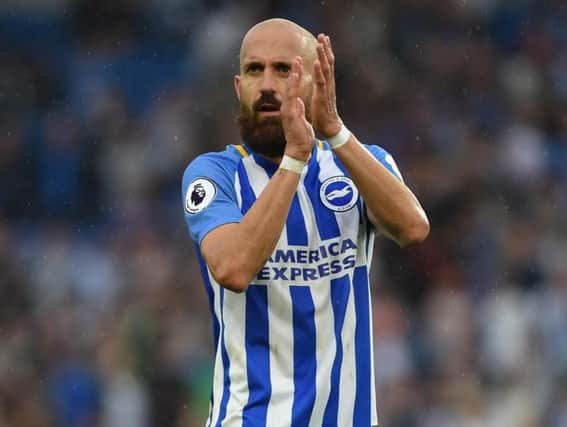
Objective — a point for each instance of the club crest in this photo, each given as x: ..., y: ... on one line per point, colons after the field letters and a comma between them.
x: 338, y: 193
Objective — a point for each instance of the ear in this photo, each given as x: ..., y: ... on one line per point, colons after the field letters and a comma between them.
x: 237, y: 86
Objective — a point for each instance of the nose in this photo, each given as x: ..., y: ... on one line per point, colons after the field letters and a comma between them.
x: 268, y: 83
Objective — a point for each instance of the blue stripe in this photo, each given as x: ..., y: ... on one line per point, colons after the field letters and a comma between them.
x: 257, y: 356
x: 246, y: 192
x: 362, y: 404
x: 295, y: 224
x: 324, y: 217
x: 340, y: 289
x: 304, y: 355
x: 226, y: 366
x: 216, y: 327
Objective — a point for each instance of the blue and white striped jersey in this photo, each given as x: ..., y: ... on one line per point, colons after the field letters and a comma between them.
x: 295, y: 349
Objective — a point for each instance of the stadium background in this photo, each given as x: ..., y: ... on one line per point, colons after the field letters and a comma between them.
x: 103, y: 318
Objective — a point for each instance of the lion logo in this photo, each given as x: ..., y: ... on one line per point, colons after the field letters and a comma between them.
x: 198, y: 194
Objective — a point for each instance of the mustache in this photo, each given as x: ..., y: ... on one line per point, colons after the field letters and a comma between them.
x: 266, y: 98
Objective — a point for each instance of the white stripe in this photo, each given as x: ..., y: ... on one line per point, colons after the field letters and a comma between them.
x: 325, y: 348
x: 234, y: 312
x: 219, y: 369
x: 237, y: 189
x: 327, y: 166
x: 347, y: 380
x: 210, y: 414
x: 281, y: 356
x: 348, y: 225
x: 308, y: 213
x: 370, y: 246
x: 257, y: 176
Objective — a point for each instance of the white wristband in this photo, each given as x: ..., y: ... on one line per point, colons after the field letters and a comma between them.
x: 291, y: 164
x: 340, y: 138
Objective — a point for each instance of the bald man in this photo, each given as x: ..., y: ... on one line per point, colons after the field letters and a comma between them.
x: 284, y: 225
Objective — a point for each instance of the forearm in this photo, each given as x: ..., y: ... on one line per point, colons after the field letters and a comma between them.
x: 391, y: 204
x: 236, y: 252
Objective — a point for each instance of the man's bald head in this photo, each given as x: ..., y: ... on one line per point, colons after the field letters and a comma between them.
x: 278, y: 27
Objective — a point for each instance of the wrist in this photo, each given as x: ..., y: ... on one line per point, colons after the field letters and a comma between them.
x: 297, y: 154
x: 340, y: 138
x: 292, y: 164
x: 333, y: 129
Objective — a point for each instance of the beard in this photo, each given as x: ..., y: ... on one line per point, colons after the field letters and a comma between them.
x: 264, y: 135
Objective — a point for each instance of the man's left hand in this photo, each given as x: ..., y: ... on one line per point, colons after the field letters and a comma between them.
x: 324, y: 115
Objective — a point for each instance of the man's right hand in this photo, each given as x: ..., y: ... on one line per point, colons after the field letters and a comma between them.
x: 298, y: 131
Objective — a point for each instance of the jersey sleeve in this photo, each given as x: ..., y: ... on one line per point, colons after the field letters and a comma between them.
x: 209, y: 198
x: 385, y: 159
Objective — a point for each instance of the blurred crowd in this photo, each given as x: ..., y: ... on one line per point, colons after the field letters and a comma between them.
x: 103, y: 317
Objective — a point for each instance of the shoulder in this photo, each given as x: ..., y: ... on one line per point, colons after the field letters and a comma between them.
x: 210, y: 176
x: 226, y: 160
x: 385, y: 158
x: 214, y: 169
x: 218, y: 166
x: 378, y: 152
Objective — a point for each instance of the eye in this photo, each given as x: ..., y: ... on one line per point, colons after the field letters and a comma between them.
x: 283, y: 68
x: 254, y: 67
